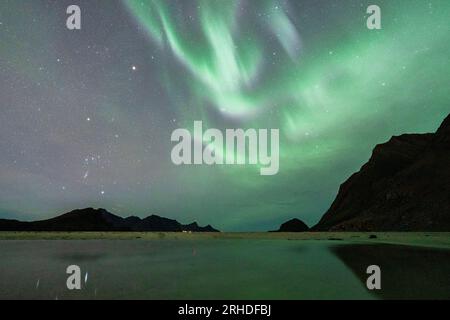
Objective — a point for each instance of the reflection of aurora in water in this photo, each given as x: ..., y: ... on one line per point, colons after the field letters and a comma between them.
x: 86, y: 117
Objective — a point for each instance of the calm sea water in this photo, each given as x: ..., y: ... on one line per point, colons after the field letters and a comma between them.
x: 219, y: 269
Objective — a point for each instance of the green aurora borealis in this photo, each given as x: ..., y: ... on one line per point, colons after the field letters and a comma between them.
x: 310, y: 68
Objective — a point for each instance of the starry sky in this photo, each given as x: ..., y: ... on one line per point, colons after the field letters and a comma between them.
x: 86, y: 116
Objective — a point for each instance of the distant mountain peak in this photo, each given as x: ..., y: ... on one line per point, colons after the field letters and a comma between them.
x: 293, y: 225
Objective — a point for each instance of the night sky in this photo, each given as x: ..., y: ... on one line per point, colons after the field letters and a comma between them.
x: 86, y: 116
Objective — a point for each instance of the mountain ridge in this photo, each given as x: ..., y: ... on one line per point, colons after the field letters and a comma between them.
x: 90, y: 219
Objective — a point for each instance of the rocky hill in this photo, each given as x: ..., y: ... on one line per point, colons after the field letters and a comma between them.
x: 405, y: 186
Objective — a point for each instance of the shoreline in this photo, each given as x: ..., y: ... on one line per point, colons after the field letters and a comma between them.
x: 422, y: 239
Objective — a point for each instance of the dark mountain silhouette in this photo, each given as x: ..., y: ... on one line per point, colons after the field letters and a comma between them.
x: 90, y: 219
x: 194, y: 227
x: 405, y: 186
x: 294, y: 225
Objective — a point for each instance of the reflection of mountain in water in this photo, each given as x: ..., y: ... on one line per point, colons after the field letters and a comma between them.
x: 406, y: 272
